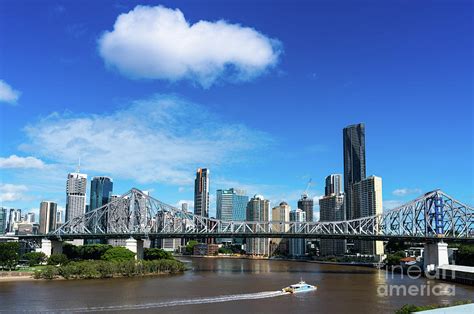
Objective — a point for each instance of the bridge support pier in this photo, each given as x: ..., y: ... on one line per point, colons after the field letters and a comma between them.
x: 435, y: 255
x: 49, y: 247
x: 136, y: 246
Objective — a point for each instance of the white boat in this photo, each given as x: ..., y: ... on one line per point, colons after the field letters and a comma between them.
x: 299, y: 287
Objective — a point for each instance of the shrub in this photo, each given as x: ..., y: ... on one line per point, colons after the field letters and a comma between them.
x: 57, y: 259
x: 118, y: 254
x: 35, y: 258
x: 154, y: 254
x: 190, y: 246
x: 48, y: 272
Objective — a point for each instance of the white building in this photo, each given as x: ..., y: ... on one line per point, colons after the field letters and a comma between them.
x: 368, y: 202
x: 75, y: 195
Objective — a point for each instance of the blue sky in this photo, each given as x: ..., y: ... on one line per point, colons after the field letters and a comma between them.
x: 257, y: 91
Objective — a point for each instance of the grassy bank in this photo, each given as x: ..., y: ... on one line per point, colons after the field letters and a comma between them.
x: 410, y: 308
x: 94, y: 269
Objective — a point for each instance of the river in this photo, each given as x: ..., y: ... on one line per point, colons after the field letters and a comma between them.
x: 231, y: 286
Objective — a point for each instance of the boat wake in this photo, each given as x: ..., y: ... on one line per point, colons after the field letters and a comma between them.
x: 216, y: 299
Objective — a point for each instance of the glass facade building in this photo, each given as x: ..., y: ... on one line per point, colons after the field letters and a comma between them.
x: 101, y: 191
x: 354, y: 163
x: 201, y: 192
x: 231, y: 204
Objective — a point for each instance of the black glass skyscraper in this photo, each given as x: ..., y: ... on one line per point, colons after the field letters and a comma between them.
x: 354, y: 163
x: 101, y: 191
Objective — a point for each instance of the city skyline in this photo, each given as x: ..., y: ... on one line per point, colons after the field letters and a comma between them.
x: 44, y: 133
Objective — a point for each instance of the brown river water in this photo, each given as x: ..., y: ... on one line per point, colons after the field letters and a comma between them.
x: 234, y: 286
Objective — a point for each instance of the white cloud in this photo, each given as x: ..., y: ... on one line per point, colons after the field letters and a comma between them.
x: 406, y: 191
x: 15, y: 161
x: 159, y: 43
x: 162, y: 139
x: 8, y: 94
x: 12, y: 192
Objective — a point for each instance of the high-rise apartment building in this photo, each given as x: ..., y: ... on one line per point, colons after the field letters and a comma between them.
x: 333, y: 184
x: 280, y: 213
x: 305, y: 203
x: 101, y: 191
x: 201, y: 192
x: 297, y: 247
x: 354, y: 164
x: 48, y: 217
x: 331, y: 208
x: 258, y: 209
x: 231, y: 204
x: 75, y: 195
x: 368, y: 202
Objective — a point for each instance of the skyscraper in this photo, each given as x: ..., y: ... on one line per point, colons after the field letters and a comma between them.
x: 333, y: 184
x: 101, y: 191
x: 231, y: 204
x: 297, y: 247
x: 354, y: 163
x: 306, y: 204
x: 258, y: 209
x: 368, y: 202
x: 48, y: 217
x: 30, y: 218
x: 75, y: 195
x: 3, y: 220
x: 331, y: 208
x: 201, y: 192
x: 280, y: 213
x: 14, y: 217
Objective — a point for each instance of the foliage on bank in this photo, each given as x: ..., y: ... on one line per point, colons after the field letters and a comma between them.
x: 93, y: 269
x: 9, y: 256
x: 410, y: 308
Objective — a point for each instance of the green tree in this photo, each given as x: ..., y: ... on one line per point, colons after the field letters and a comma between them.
x: 118, y: 254
x: 394, y: 259
x: 9, y: 256
x: 35, y: 258
x: 71, y: 251
x: 465, y: 255
x: 58, y: 259
x: 225, y: 250
x: 190, y: 246
x: 155, y: 254
x: 92, y: 251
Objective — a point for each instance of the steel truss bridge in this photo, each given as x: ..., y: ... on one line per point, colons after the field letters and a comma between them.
x: 429, y: 217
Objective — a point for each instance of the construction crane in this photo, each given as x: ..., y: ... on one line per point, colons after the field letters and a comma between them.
x: 310, y: 183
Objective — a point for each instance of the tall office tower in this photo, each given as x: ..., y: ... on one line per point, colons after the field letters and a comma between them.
x: 281, y: 213
x: 184, y: 207
x: 59, y: 217
x: 3, y: 220
x: 30, y: 218
x: 231, y: 204
x: 297, y: 247
x: 101, y: 191
x: 258, y: 209
x: 333, y: 184
x: 354, y: 164
x: 331, y: 208
x: 75, y: 195
x: 368, y: 202
x: 48, y: 216
x: 201, y: 192
x: 14, y: 218
x: 306, y: 204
